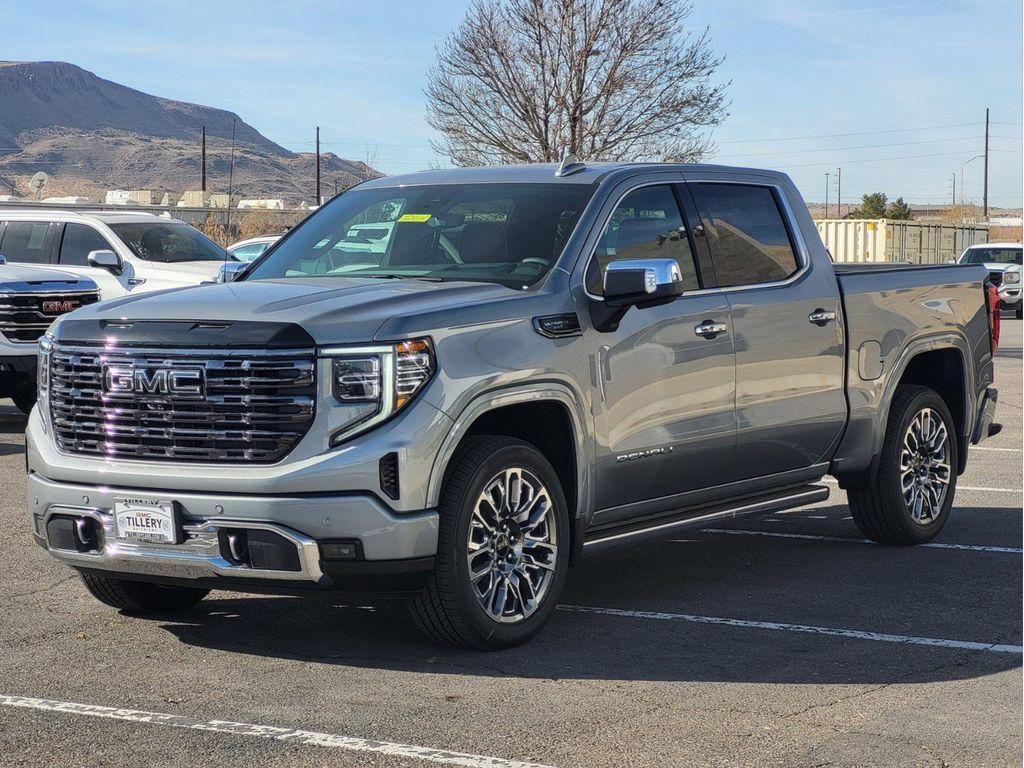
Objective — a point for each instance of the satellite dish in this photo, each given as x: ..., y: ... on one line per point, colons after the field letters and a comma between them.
x: 37, y: 183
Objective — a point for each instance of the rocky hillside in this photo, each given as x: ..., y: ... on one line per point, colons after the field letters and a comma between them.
x: 91, y: 134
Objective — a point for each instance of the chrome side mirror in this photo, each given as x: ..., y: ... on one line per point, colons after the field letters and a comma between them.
x: 107, y: 260
x: 642, y: 282
x: 635, y: 283
x: 231, y: 270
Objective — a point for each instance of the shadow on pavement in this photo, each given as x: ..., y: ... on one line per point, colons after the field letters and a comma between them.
x: 840, y: 585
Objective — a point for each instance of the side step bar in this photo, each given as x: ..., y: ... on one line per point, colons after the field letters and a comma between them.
x: 700, y: 518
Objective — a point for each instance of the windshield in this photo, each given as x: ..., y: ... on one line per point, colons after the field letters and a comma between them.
x: 168, y: 242
x: 502, y: 233
x: 992, y: 256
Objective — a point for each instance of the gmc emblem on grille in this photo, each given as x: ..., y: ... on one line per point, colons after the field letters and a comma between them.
x: 58, y: 307
x: 173, y: 382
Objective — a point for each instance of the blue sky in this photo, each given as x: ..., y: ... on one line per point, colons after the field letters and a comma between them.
x: 894, y: 93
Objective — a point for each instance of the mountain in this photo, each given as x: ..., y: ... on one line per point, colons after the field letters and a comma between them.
x: 91, y: 134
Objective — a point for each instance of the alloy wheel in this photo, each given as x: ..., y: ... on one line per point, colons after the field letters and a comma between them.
x: 512, y: 545
x: 924, y: 466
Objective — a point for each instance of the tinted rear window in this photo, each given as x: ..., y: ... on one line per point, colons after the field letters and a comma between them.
x: 747, y: 235
x: 25, y: 241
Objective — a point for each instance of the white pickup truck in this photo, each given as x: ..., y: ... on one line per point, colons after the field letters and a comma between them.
x: 57, y: 260
x: 129, y: 252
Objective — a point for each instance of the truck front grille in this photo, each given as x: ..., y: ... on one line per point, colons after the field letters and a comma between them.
x: 181, y: 405
x: 24, y: 317
x: 996, y: 278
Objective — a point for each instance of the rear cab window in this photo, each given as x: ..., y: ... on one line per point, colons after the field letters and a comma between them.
x: 747, y: 233
x: 26, y: 242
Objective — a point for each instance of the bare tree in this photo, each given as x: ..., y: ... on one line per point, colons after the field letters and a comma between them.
x: 528, y: 80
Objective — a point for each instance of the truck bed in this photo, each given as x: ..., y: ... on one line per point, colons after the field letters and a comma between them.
x: 889, y: 307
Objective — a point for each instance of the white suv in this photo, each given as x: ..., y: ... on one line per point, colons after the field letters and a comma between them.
x: 130, y: 252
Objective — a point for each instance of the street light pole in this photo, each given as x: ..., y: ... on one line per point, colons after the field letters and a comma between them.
x: 985, y: 211
x: 962, y: 166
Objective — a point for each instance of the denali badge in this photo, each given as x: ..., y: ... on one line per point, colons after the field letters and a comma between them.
x: 174, y: 382
x: 58, y: 307
x: 643, y: 454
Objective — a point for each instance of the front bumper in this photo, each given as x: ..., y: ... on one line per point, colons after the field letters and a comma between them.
x: 388, y: 552
x: 1009, y: 296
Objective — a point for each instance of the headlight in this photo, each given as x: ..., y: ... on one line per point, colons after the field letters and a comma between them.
x: 1011, y: 277
x: 371, y: 384
x: 43, y: 379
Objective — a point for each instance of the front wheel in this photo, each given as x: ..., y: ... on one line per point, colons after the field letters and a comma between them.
x: 503, y: 547
x: 912, y: 493
x: 25, y: 399
x: 1019, y: 311
x: 140, y: 596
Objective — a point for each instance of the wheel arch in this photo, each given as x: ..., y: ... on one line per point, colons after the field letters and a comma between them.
x: 550, y: 416
x: 941, y: 362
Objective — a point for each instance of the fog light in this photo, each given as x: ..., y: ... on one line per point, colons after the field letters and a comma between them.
x: 339, y: 550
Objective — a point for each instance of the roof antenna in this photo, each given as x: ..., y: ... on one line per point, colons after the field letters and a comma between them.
x: 569, y: 166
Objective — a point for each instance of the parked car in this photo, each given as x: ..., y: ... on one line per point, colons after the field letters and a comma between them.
x: 250, y: 249
x: 1003, y: 262
x: 30, y: 300
x: 129, y: 252
x: 542, y: 361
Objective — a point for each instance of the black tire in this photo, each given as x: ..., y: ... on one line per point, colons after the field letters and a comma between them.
x: 880, y: 511
x: 141, y: 596
x: 25, y: 399
x: 448, y: 609
x: 1019, y: 311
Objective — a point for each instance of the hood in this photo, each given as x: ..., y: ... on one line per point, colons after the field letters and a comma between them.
x: 185, y: 271
x: 25, y: 277
x: 331, y: 310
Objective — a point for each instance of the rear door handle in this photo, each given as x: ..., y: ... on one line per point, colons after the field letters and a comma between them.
x: 821, y: 316
x: 709, y: 329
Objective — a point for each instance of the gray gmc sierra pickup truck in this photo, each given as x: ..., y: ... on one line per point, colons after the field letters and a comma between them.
x: 445, y: 386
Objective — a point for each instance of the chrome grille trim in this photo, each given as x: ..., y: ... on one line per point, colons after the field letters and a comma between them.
x: 22, y: 319
x: 256, y: 408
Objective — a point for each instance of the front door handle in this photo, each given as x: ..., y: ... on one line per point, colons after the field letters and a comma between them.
x: 821, y: 317
x: 709, y: 329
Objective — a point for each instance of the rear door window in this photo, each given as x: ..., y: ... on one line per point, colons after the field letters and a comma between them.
x: 26, y: 241
x: 79, y: 241
x: 746, y: 233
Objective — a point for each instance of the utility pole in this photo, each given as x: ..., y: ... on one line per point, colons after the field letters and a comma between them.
x: 839, y: 193
x: 954, y: 189
x: 827, y: 175
x: 231, y: 182
x: 319, y: 200
x: 202, y: 167
x: 985, y: 212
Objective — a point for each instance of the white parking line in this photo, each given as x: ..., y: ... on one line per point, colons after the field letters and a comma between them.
x: 778, y: 626
x: 850, y: 540
x: 833, y: 481
x: 1001, y: 450
x: 289, y: 735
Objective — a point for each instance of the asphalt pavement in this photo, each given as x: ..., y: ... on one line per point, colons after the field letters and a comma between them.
x: 785, y: 641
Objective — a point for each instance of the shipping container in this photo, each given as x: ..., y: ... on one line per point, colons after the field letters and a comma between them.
x: 917, y: 242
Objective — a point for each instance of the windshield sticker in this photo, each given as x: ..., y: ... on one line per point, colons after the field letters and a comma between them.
x: 415, y: 217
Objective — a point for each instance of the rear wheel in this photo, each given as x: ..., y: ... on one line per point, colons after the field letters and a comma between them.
x: 141, y: 596
x: 503, y: 546
x: 912, y: 493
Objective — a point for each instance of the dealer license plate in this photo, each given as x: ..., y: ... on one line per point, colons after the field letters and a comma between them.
x: 146, y: 520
